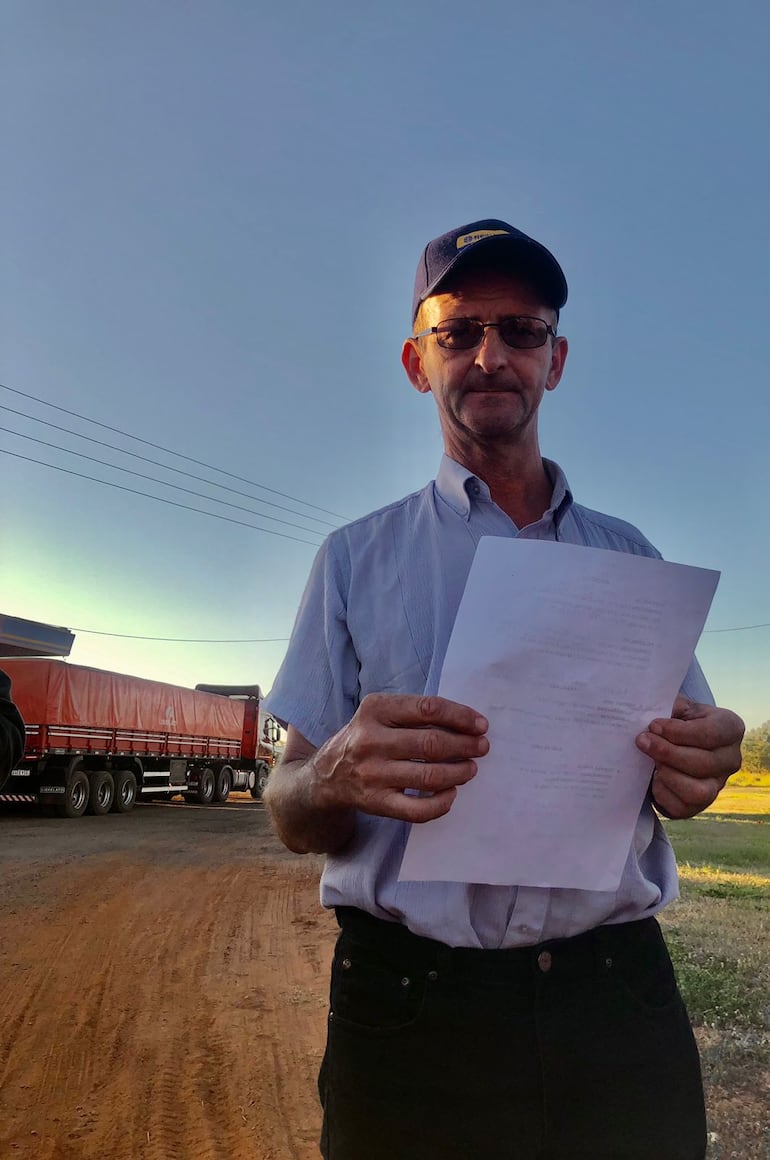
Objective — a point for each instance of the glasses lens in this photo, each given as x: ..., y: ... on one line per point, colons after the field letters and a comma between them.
x: 459, y: 333
x: 523, y: 333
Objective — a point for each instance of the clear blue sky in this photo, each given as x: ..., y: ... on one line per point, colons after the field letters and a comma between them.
x: 210, y: 217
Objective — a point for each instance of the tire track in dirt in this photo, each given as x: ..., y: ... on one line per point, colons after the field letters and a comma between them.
x: 164, y: 1009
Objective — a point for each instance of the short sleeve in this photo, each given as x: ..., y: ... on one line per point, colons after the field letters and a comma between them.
x: 317, y: 687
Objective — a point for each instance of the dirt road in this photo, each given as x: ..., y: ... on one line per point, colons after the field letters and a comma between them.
x: 163, y: 982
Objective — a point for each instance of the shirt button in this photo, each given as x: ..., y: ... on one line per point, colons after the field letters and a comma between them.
x: 544, y: 961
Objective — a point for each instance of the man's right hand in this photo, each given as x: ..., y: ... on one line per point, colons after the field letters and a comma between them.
x: 396, y: 742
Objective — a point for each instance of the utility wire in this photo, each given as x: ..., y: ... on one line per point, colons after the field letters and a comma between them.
x: 272, y: 639
x: 162, y: 482
x: 170, y: 451
x: 160, y: 499
x: 166, y: 467
x: 738, y: 628
x: 183, y: 639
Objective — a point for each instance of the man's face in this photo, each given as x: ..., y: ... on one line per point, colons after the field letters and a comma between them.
x: 488, y: 396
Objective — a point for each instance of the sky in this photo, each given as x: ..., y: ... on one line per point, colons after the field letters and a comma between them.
x: 210, y: 218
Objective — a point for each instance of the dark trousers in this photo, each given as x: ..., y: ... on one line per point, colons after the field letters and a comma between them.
x: 577, y: 1049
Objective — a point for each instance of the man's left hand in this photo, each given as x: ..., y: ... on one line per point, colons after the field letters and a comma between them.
x: 695, y: 750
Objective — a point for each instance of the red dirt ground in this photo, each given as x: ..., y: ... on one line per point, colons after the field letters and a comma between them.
x: 163, y: 979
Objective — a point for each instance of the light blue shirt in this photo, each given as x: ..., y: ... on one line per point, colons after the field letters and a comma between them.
x: 376, y: 616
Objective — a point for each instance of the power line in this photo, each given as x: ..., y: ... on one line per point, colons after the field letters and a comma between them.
x: 738, y: 628
x: 165, y: 466
x: 274, y: 639
x: 162, y: 482
x: 160, y: 499
x: 183, y: 639
x: 170, y: 451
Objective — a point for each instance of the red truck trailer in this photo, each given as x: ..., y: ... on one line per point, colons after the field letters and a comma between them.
x: 97, y: 741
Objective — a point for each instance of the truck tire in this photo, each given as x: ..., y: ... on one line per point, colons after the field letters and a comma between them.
x: 224, y: 783
x: 260, y: 784
x: 75, y: 796
x: 125, y: 792
x: 102, y: 793
x: 206, y: 786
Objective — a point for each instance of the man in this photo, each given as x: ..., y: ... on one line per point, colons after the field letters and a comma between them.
x: 477, y: 1022
x: 11, y: 731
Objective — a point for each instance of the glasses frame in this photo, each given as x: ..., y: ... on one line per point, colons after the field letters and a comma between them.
x: 485, y: 326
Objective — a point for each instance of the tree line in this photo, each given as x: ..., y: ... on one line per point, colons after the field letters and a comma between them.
x: 756, y: 750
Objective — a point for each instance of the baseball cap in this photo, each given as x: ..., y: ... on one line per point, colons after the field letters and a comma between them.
x: 493, y: 238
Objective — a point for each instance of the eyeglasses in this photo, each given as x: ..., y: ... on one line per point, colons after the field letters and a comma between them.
x: 517, y: 330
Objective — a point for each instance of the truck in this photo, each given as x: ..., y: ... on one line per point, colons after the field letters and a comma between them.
x: 99, y: 741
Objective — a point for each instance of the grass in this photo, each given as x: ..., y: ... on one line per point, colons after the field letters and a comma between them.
x: 744, y: 777
x: 719, y: 937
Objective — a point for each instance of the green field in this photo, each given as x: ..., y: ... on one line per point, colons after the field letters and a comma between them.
x: 719, y: 936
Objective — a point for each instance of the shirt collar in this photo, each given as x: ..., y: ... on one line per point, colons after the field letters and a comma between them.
x: 458, y: 487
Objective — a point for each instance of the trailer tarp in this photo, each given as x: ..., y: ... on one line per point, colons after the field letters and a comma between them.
x: 53, y: 692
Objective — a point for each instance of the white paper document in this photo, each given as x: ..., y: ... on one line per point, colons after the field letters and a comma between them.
x: 569, y: 652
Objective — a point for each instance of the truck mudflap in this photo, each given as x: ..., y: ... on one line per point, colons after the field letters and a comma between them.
x: 20, y: 787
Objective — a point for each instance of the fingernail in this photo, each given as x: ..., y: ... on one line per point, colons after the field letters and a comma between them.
x: 644, y: 742
x: 482, y: 724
